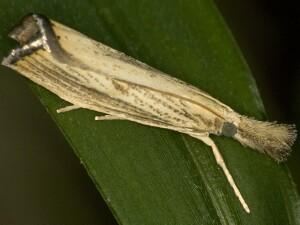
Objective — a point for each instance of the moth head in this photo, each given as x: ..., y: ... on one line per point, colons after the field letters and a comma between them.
x: 271, y: 138
x: 228, y: 129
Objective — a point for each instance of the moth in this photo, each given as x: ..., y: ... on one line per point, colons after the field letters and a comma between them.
x: 91, y: 75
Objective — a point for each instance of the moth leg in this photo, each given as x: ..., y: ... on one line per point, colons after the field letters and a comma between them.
x: 109, y: 117
x: 220, y: 161
x: 141, y: 120
x: 67, y: 108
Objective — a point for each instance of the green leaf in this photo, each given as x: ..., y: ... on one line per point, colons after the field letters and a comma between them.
x: 154, y: 176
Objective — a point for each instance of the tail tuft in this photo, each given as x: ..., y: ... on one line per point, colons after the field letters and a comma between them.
x: 269, y: 137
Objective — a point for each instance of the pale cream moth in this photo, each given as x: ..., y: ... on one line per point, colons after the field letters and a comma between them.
x: 93, y: 76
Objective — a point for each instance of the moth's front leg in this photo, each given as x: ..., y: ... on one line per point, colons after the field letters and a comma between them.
x: 220, y: 161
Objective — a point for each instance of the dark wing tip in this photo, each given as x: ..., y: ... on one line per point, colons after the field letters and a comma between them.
x: 33, y: 32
